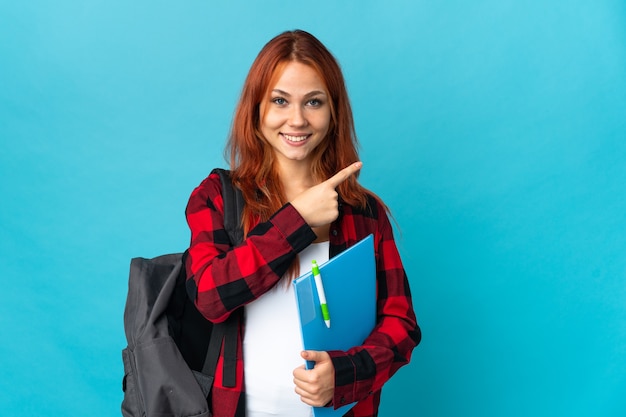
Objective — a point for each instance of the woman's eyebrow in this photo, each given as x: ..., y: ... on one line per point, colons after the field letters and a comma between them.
x: 309, y: 94
x: 315, y: 93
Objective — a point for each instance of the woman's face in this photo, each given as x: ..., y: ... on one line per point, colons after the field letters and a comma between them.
x: 296, y: 114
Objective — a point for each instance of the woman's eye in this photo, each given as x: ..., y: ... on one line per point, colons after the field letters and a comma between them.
x: 315, y: 102
x: 279, y: 100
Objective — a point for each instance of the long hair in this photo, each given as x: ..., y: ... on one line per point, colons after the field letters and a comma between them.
x: 252, y: 158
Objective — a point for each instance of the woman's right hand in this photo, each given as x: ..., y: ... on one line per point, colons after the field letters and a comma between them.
x: 318, y: 205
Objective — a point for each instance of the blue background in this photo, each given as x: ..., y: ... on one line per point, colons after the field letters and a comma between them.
x: 494, y: 129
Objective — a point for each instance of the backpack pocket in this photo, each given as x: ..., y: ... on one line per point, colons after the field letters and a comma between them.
x: 131, y: 404
x: 163, y: 383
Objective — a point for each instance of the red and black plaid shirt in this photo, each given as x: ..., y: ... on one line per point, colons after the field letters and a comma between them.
x: 227, y: 278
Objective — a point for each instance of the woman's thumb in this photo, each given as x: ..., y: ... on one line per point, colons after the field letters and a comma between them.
x: 309, y: 355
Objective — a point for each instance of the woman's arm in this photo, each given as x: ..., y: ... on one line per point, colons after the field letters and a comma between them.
x: 221, y: 278
x: 362, y: 370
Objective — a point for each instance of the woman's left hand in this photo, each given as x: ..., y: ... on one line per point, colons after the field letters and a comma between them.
x: 316, y: 386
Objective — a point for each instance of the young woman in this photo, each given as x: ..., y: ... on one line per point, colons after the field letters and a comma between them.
x: 293, y: 153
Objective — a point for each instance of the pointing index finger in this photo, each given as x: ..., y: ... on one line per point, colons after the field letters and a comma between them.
x: 344, y: 174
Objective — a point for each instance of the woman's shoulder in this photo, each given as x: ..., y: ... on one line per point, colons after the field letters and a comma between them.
x: 208, y: 192
x: 374, y: 205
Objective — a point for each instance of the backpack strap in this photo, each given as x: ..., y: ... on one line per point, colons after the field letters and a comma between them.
x: 233, y: 207
x: 226, y: 332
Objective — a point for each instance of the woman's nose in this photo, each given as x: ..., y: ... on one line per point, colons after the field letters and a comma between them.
x: 296, y: 117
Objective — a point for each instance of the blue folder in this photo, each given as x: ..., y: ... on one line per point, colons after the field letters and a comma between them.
x: 349, y: 281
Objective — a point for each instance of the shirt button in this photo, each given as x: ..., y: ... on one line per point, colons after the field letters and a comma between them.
x: 342, y: 400
x: 334, y: 232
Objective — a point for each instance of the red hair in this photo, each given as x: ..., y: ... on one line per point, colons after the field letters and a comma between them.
x: 252, y: 158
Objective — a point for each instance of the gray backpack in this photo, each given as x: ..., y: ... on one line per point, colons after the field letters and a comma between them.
x: 172, y: 352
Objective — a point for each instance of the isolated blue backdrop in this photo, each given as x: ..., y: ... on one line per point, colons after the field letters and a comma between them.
x: 494, y: 129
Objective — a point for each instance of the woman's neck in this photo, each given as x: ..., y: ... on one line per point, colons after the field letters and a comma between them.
x: 295, y: 178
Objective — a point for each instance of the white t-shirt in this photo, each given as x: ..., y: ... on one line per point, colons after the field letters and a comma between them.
x: 272, y: 346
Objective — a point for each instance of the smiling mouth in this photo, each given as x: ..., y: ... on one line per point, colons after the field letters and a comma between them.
x: 295, y: 139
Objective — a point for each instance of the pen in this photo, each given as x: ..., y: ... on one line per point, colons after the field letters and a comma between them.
x: 321, y: 294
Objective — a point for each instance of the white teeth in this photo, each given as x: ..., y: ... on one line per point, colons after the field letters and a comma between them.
x: 295, y: 138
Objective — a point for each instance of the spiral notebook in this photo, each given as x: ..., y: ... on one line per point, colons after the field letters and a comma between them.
x: 349, y: 281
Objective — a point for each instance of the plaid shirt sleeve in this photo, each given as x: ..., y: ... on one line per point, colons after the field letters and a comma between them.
x: 361, y: 371
x: 221, y: 278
